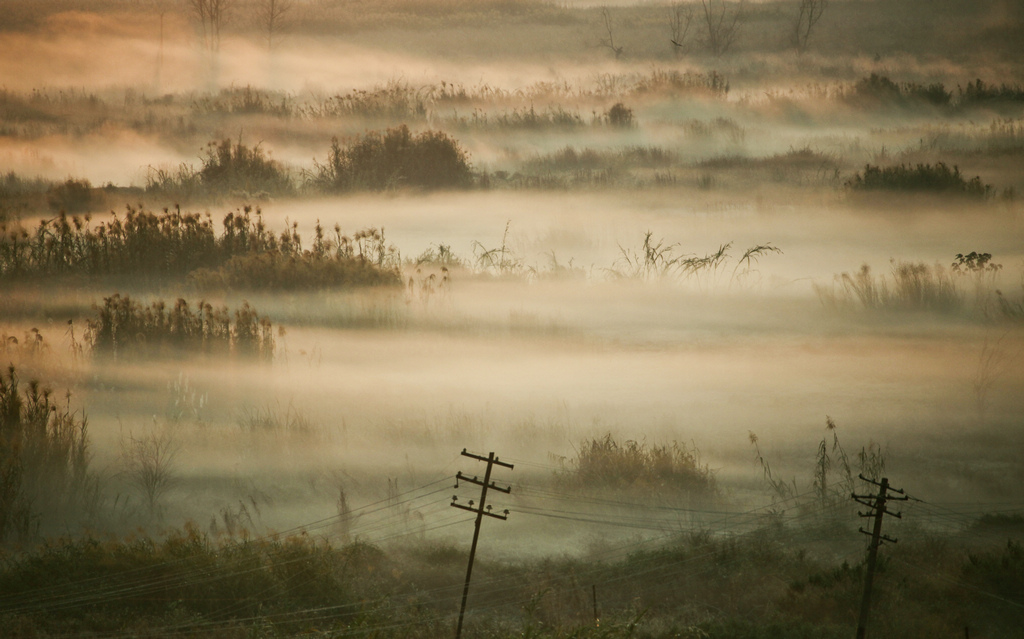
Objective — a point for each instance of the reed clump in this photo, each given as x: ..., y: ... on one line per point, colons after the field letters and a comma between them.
x: 605, y: 463
x: 928, y: 178
x: 125, y: 329
x: 44, y: 460
x: 175, y: 245
x: 341, y: 261
x: 910, y: 286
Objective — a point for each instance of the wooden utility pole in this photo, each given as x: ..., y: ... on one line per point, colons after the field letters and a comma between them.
x: 481, y: 509
x: 877, y: 511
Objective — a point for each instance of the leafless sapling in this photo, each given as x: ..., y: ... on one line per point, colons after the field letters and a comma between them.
x: 610, y: 40
x: 679, y: 21
x: 210, y: 16
x: 810, y: 12
x: 271, y: 17
x: 723, y: 24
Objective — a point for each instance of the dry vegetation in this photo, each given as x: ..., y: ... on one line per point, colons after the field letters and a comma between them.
x: 625, y: 221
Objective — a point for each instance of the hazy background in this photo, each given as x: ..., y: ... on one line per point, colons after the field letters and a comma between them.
x: 372, y: 387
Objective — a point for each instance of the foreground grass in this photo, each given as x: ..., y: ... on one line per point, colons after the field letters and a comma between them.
x: 763, y: 584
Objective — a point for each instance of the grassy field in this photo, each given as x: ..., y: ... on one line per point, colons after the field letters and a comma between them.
x: 261, y: 284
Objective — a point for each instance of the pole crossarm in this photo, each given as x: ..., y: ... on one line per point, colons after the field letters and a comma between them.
x: 478, y: 511
x: 485, y: 459
x: 473, y: 480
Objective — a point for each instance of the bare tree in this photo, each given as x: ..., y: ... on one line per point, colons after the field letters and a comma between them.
x: 210, y: 15
x: 810, y: 13
x: 148, y: 466
x: 610, y: 40
x: 723, y: 24
x: 271, y: 17
x: 679, y: 21
x: 160, y: 8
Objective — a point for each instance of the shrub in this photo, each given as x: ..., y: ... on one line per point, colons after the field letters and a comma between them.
x: 938, y: 178
x: 124, y: 329
x: 620, y: 116
x: 44, y: 460
x: 72, y: 196
x: 226, y: 169
x: 380, y: 161
x: 236, y: 168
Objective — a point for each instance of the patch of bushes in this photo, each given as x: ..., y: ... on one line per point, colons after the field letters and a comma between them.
x: 44, y: 461
x: 391, y: 159
x: 937, y: 178
x: 125, y: 329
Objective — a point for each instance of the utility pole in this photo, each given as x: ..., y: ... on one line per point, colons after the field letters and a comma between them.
x: 877, y: 510
x: 480, y: 510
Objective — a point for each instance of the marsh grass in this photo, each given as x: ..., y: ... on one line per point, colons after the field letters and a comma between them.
x: 570, y: 158
x: 124, y: 329
x: 364, y: 259
x: 193, y: 581
x: 769, y: 582
x: 518, y: 118
x: 981, y: 94
x: 20, y: 194
x: 246, y: 100
x: 501, y: 261
x: 173, y: 246
x: 45, y: 477
x: 879, y: 91
x: 603, y: 463
x: 928, y: 178
x: 275, y: 420
x: 966, y: 288
x: 658, y: 260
